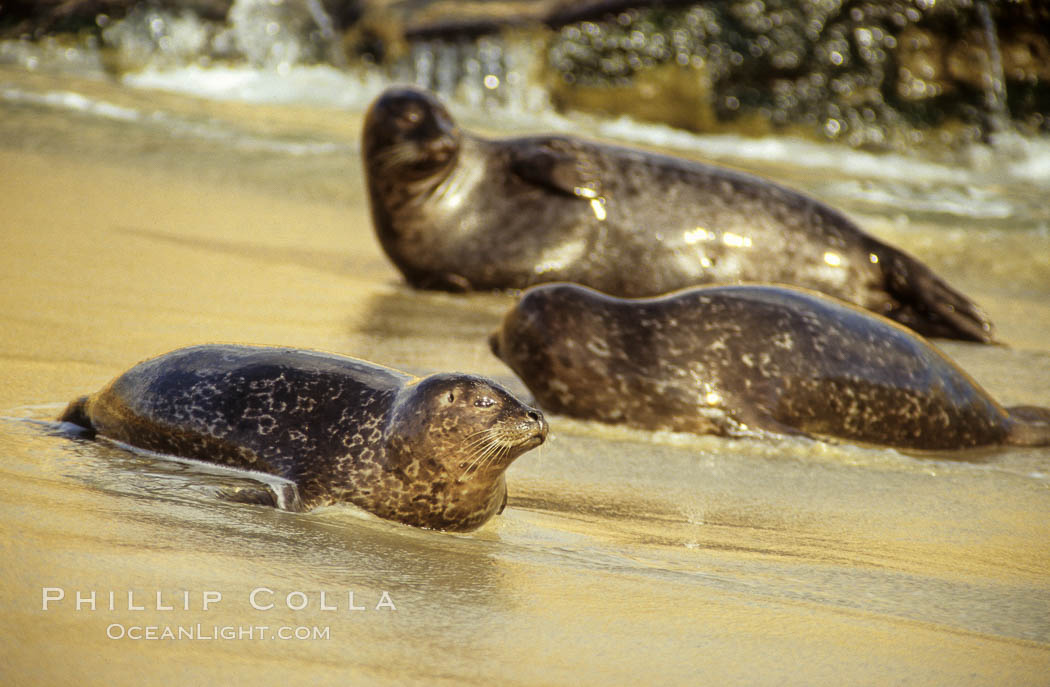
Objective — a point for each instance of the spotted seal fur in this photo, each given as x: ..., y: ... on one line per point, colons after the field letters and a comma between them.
x: 459, y: 212
x: 430, y: 452
x: 744, y: 360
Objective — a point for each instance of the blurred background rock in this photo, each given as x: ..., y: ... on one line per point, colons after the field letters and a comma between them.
x: 892, y: 75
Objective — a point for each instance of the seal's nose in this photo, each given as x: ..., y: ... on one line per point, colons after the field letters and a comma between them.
x: 541, y: 424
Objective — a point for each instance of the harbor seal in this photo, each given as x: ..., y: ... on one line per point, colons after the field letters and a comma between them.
x: 429, y: 452
x: 749, y: 360
x: 459, y: 212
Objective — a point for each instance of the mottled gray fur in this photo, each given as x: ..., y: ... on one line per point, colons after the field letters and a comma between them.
x: 460, y: 212
x: 740, y: 360
x: 429, y: 452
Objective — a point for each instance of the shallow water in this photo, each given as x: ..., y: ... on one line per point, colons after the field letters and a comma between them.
x: 137, y: 221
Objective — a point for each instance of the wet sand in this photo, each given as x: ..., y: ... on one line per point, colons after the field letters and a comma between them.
x: 623, y: 558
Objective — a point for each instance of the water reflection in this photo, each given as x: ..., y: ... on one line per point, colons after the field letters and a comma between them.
x: 330, y: 261
x: 404, y: 313
x: 333, y: 548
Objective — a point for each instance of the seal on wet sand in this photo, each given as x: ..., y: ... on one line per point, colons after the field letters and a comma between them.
x: 749, y: 360
x: 429, y: 452
x: 460, y: 212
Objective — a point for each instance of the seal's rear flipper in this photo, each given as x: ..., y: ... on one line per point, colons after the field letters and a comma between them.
x: 77, y: 414
x: 926, y: 303
x: 1029, y: 426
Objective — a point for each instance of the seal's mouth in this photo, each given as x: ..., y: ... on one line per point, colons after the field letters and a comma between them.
x: 539, y: 433
x: 418, y: 157
x: 528, y: 433
x: 498, y: 446
x: 440, y: 148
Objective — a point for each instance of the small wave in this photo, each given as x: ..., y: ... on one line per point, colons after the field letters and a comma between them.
x: 76, y: 102
x: 209, y: 130
x: 296, y: 85
x: 795, y: 152
x: 1024, y: 160
x: 963, y: 201
x: 1031, y: 162
x: 997, y: 182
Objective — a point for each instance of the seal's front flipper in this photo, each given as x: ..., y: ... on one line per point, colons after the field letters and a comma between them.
x: 255, y: 496
x: 557, y: 164
x: 927, y: 304
x: 439, y: 281
x: 1029, y: 426
x: 753, y: 420
x: 283, y: 496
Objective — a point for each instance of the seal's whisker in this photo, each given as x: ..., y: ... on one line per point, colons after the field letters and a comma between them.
x: 481, y: 441
x: 474, y: 452
x: 486, y: 456
x: 481, y: 447
x: 482, y: 452
x: 487, y: 435
x: 492, y: 445
x: 397, y: 155
x: 483, y: 432
x: 501, y: 452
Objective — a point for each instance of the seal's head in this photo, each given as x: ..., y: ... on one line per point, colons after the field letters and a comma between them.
x: 464, y: 427
x: 408, y: 135
x: 449, y: 440
x: 564, y: 341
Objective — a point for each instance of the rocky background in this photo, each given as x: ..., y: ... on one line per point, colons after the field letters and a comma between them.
x: 880, y: 75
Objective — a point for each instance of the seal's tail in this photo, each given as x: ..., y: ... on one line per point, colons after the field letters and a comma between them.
x: 1029, y: 426
x: 76, y: 413
x: 927, y: 304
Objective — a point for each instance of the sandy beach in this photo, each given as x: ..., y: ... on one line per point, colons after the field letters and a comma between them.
x: 624, y: 557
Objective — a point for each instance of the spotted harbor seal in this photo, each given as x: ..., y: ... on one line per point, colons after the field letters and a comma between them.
x: 749, y: 360
x: 428, y: 451
x: 459, y: 212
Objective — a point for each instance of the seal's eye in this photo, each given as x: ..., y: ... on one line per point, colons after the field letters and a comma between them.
x: 451, y: 397
x: 411, y: 116
x: 485, y: 402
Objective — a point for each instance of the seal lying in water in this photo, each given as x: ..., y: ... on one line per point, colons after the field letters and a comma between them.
x: 429, y: 452
x: 743, y: 360
x: 459, y: 212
